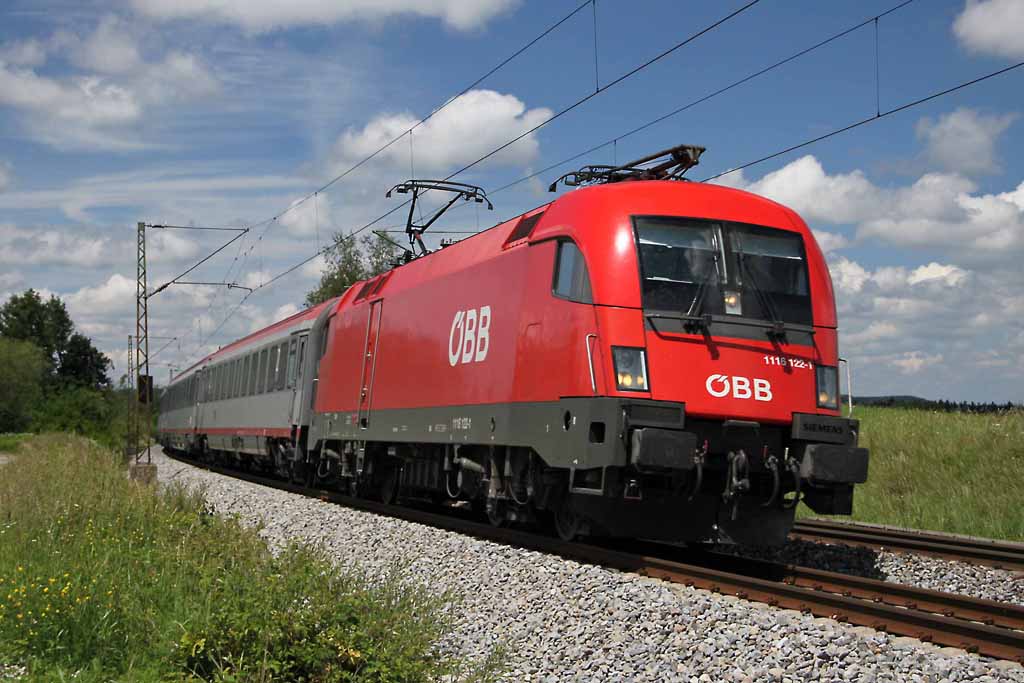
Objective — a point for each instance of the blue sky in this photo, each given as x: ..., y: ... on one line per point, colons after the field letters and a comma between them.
x: 224, y: 112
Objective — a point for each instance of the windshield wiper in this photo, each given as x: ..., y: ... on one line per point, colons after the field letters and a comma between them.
x: 778, y: 328
x: 693, y: 311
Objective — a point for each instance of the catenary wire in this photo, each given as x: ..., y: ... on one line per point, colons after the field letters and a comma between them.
x: 557, y: 115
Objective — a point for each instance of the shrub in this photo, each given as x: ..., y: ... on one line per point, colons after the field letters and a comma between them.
x: 111, y: 580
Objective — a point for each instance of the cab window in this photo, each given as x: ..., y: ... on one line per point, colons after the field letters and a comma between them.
x: 571, y: 281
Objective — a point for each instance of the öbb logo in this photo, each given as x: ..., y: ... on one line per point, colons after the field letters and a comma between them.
x: 473, y: 339
x: 740, y: 387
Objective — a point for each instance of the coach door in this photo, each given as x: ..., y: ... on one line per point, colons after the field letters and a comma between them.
x: 296, y: 353
x: 369, y: 364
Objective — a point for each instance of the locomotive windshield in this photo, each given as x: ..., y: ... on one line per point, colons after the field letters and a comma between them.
x: 698, y: 267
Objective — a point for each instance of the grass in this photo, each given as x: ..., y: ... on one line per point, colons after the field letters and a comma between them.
x: 10, y: 442
x: 953, y: 472
x: 102, y: 579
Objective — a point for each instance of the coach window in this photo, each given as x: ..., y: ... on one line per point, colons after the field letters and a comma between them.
x: 268, y: 371
x: 239, y: 378
x: 250, y: 374
x: 572, y: 281
x: 282, y: 365
x: 292, y: 347
x: 261, y: 364
x: 243, y: 389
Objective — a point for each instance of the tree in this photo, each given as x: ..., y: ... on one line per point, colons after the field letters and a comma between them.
x: 22, y: 368
x: 70, y: 357
x: 350, y: 261
x: 44, y: 323
x: 83, y: 364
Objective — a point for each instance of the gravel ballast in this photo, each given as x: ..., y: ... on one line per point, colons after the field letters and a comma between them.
x: 566, y: 621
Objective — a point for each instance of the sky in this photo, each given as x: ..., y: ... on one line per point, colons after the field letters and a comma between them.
x: 227, y: 113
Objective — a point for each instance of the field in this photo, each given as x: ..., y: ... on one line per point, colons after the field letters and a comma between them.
x: 102, y: 579
x: 954, y: 472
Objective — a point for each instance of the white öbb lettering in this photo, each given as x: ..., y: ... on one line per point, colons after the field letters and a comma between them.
x: 740, y: 387
x: 473, y: 339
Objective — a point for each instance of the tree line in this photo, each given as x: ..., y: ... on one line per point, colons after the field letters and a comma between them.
x: 918, y: 403
x: 52, y: 377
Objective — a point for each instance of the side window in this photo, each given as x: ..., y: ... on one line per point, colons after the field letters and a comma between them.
x: 271, y: 368
x: 261, y: 372
x: 292, y: 348
x: 302, y: 356
x: 232, y: 377
x: 239, y: 377
x: 282, y: 365
x: 571, y: 278
x: 245, y: 375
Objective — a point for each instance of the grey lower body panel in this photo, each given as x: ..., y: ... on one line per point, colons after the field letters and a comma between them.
x: 583, y: 432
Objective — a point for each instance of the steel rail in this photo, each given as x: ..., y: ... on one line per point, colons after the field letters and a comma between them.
x: 809, y: 593
x: 990, y: 612
x: 998, y: 554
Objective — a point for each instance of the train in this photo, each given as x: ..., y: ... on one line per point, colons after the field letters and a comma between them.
x: 643, y: 357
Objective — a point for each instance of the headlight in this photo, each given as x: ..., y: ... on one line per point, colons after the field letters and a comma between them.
x: 827, y: 378
x: 630, y: 369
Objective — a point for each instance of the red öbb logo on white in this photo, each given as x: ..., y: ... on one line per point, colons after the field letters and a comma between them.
x: 469, y: 338
x: 720, y: 386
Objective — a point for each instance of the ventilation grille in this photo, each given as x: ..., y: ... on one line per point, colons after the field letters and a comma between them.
x: 523, y: 228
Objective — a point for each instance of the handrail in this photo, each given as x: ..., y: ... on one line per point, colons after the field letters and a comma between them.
x: 590, y: 361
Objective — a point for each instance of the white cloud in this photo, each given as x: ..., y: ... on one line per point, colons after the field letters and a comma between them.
x: 964, y: 140
x: 23, y: 52
x: 115, y: 295
x: 165, y: 245
x: 804, y: 186
x: 308, y: 218
x: 848, y: 275
x: 176, y: 194
x: 466, y: 129
x: 875, y: 331
x: 110, y: 49
x: 46, y: 246
x: 937, y: 272
x: 938, y: 210
x: 992, y: 27
x: 102, y: 106
x: 830, y: 241
x: 914, y: 362
x: 315, y: 268
x: 259, y: 16
x: 88, y: 100
x: 255, y: 278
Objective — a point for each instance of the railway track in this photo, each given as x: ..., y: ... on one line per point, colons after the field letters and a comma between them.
x: 999, y: 554
x: 984, y: 627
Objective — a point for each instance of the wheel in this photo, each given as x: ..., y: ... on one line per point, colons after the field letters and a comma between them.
x: 389, y: 485
x: 496, y: 514
x: 565, y: 521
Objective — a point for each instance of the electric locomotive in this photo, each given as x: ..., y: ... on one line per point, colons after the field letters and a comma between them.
x: 644, y: 356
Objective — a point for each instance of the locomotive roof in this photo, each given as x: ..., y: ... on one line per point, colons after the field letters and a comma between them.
x: 715, y: 202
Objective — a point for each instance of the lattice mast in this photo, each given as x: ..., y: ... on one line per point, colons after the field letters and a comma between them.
x: 143, y: 383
